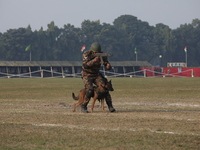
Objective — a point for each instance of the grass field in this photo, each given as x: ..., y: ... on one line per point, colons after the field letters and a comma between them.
x: 152, y: 114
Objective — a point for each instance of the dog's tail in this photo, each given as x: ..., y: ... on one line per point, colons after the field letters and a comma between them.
x: 74, y: 97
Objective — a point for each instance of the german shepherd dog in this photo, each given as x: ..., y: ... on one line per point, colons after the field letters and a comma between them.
x: 100, y: 93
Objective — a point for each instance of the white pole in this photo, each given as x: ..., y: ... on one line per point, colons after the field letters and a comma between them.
x: 136, y: 56
x: 30, y: 55
x: 186, y: 58
x: 145, y: 73
x: 30, y: 71
x: 192, y: 73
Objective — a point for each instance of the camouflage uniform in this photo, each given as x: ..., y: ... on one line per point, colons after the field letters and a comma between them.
x: 91, y: 74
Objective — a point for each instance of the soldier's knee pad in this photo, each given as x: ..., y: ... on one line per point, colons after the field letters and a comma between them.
x: 90, y: 93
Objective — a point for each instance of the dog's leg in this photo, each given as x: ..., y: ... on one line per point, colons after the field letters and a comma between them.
x: 102, y: 105
x: 92, y: 106
x: 77, y: 104
x: 80, y: 99
x: 74, y: 108
x: 93, y: 102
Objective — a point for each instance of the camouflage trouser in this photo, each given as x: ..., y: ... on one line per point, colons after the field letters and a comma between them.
x: 97, y: 80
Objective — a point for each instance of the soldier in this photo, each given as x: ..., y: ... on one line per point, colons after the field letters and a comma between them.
x: 90, y: 74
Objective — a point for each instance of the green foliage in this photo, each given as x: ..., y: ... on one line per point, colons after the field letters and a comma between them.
x: 119, y: 39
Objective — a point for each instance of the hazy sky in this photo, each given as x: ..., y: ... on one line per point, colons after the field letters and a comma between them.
x: 38, y: 13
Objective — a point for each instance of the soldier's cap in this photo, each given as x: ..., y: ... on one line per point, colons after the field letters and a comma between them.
x: 95, y: 47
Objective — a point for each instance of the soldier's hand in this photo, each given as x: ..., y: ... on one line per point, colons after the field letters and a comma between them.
x: 108, y: 66
x: 96, y: 59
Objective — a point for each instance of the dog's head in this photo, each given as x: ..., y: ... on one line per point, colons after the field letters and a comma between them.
x: 109, y: 86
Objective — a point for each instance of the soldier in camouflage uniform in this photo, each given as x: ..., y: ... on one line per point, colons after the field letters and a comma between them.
x: 90, y: 74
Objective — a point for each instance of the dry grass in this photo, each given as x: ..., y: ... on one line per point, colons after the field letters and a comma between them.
x: 152, y: 113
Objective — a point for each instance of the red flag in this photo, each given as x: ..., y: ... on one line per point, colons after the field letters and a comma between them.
x: 83, y: 48
x: 28, y: 48
x: 185, y: 48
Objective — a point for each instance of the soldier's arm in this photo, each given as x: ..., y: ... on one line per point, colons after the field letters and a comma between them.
x: 104, y: 58
x: 88, y: 62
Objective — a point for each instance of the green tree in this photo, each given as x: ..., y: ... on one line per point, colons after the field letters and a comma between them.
x: 14, y: 43
x: 163, y: 39
x: 119, y: 39
x: 188, y: 35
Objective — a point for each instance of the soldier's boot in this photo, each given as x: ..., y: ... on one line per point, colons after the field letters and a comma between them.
x: 88, y: 95
x: 84, y: 107
x: 109, y: 103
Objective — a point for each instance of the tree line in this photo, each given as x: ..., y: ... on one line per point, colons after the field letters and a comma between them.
x: 125, y: 38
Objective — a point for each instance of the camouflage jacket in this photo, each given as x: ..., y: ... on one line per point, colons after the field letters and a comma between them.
x: 89, y: 66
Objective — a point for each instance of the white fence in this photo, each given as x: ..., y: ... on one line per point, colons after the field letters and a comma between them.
x: 53, y: 74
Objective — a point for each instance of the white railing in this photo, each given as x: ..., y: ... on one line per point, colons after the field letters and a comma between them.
x: 53, y: 74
